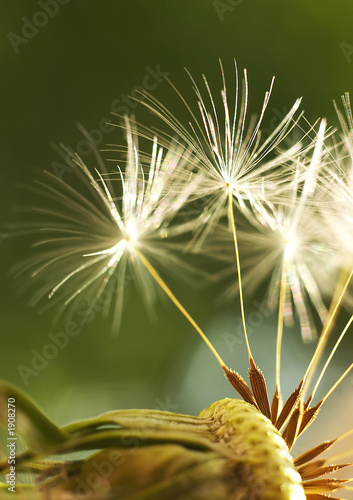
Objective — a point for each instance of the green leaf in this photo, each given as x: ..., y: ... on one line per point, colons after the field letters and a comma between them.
x: 143, y: 419
x: 39, y: 432
x: 157, y: 472
x: 132, y: 438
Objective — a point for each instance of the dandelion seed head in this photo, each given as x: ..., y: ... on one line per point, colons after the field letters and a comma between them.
x: 92, y: 240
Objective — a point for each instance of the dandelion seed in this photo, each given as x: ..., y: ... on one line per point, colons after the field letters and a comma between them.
x: 337, y: 206
x: 289, y: 241
x: 339, y: 194
x: 230, y: 155
x: 95, y: 234
x: 295, y: 253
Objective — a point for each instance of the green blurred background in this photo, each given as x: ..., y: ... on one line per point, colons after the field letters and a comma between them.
x: 78, y: 63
